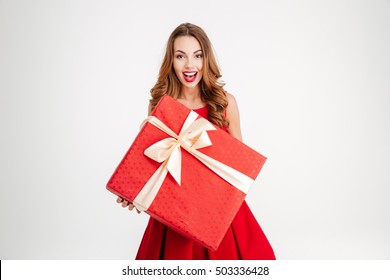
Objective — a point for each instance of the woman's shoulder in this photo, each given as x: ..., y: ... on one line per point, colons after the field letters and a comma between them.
x: 229, y: 95
x: 233, y: 116
x: 230, y: 99
x: 232, y: 107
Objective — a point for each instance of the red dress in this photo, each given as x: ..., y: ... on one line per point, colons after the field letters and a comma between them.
x: 244, y: 239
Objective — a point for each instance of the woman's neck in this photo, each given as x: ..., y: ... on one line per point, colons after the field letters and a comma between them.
x: 190, y: 93
x: 190, y: 97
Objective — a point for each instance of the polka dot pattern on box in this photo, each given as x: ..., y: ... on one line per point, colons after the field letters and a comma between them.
x: 204, y: 205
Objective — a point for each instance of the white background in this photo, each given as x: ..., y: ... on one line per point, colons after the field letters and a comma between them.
x: 312, y: 81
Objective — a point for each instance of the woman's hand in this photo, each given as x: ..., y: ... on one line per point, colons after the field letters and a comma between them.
x: 125, y: 203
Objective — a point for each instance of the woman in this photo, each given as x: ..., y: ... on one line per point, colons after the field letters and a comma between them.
x: 189, y: 73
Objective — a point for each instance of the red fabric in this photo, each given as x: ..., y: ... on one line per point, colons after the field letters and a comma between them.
x: 204, y: 205
x: 243, y: 240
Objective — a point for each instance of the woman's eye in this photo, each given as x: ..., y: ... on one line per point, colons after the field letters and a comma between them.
x: 199, y: 56
x: 179, y: 56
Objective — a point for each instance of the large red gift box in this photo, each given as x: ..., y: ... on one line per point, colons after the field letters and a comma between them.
x: 195, y: 201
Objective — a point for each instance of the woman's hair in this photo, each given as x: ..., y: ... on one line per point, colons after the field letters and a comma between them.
x: 211, y: 88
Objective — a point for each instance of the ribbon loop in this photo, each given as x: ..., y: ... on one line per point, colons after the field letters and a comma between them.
x: 161, y: 150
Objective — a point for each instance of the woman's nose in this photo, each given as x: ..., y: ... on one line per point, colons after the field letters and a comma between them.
x: 188, y: 63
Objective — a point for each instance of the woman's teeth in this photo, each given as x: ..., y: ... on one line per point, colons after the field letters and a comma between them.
x: 190, y: 74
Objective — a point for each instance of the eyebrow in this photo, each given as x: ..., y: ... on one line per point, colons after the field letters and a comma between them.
x: 185, y: 53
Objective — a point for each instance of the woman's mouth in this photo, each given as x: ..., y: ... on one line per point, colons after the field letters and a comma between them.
x: 190, y: 76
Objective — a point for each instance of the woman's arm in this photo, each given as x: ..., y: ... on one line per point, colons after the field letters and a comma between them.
x: 233, y: 116
x: 149, y: 109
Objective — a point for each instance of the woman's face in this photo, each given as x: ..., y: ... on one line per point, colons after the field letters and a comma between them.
x: 188, y: 61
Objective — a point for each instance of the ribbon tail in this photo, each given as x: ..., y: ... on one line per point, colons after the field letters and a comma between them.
x: 161, y: 150
x: 174, y: 164
x: 145, y: 197
x: 234, y: 177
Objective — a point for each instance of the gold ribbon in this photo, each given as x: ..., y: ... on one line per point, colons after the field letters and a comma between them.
x: 192, y: 136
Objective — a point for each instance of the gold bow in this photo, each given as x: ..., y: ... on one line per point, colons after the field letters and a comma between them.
x: 192, y: 136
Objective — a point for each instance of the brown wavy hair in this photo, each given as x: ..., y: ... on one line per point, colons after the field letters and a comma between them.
x: 211, y: 87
